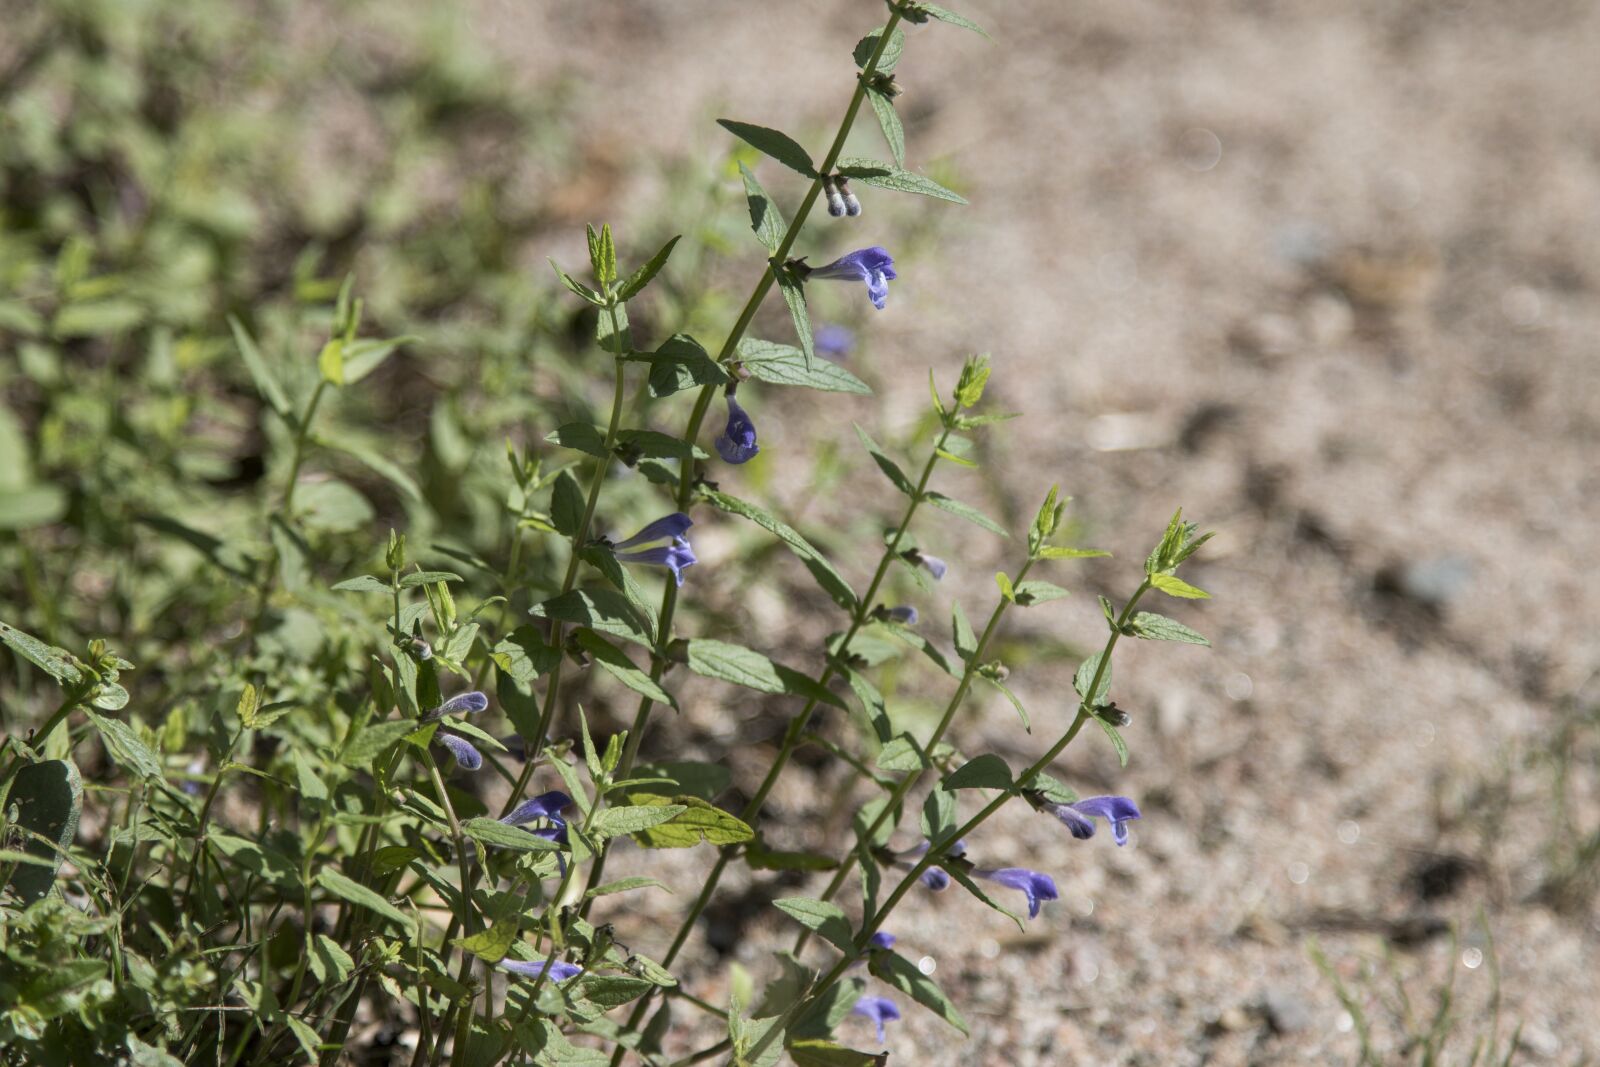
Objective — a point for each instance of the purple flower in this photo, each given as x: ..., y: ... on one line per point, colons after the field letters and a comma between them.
x: 468, y: 757
x: 871, y: 265
x: 677, y: 556
x: 468, y: 703
x: 833, y: 342
x: 879, y: 1009
x: 672, y: 526
x: 559, y: 971
x: 1079, y: 816
x: 933, y: 564
x: 1035, y: 886
x: 905, y: 615
x: 544, y: 806
x: 934, y: 878
x: 881, y: 939
x: 737, y: 443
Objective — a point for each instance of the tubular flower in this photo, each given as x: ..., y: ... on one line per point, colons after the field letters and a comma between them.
x: 904, y: 614
x: 871, y: 265
x: 559, y: 971
x: 676, y: 557
x: 469, y: 703
x: 466, y: 755
x: 1035, y: 886
x: 1079, y: 816
x: 932, y: 564
x: 879, y: 1009
x: 737, y: 443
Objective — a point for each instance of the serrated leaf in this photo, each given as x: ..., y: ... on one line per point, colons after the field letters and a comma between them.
x: 682, y: 363
x: 775, y: 143
x: 778, y: 364
x: 894, y: 134
x: 901, y: 973
x: 889, y: 467
x: 888, y: 176
x: 1033, y: 591
x: 815, y: 562
x: 630, y: 819
x: 765, y: 218
x: 749, y: 668
x: 891, y: 51
x: 699, y: 821
x: 1172, y: 585
x: 1085, y: 675
x: 826, y: 920
x: 566, y: 505
x: 356, y: 893
x: 966, y: 511
x: 491, y: 945
x: 1116, y: 739
x: 497, y: 834
x: 794, y: 296
x: 642, y: 277
x: 903, y: 755
x: 126, y: 747
x: 1153, y: 627
x: 611, y: 659
x: 56, y: 662
x: 580, y: 437
x: 987, y: 771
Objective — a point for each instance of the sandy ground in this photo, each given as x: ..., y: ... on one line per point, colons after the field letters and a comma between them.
x: 1327, y: 277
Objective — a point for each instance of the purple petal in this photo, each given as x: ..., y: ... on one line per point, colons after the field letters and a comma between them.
x: 879, y: 1009
x: 737, y: 444
x: 544, y: 806
x: 905, y: 614
x: 667, y: 526
x: 1115, y: 810
x: 1035, y: 886
x: 676, y: 557
x: 936, y: 566
x: 461, y: 704
x: 871, y: 265
x: 935, y: 879
x: 468, y: 757
x: 559, y: 970
x: 881, y: 939
x: 1081, y: 826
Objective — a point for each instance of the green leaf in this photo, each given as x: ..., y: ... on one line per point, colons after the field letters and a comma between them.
x: 939, y: 816
x: 356, y: 893
x: 599, y: 609
x: 944, y: 15
x: 1085, y: 675
x: 966, y: 641
x: 1153, y: 627
x: 1022, y: 712
x: 329, y: 961
x: 611, y: 330
x: 971, y: 514
x: 749, y: 668
x: 899, y: 972
x: 642, y: 277
x: 815, y: 562
x: 566, y: 505
x: 682, y: 363
x: 624, y: 885
x: 889, y: 176
x: 491, y: 945
x: 363, y: 357
x: 817, y: 1052
x: 891, y: 51
x: 921, y: 644
x: 614, y: 822
x: 374, y: 740
x: 976, y: 890
x: 1050, y: 788
x: 381, y: 465
x: 894, y: 134
x: 987, y: 771
x: 48, y: 799
x: 1033, y: 591
x: 581, y: 437
x: 578, y: 287
x: 1172, y: 585
x: 703, y: 780
x: 1007, y: 590
x: 312, y: 787
x: 330, y: 361
x: 889, y: 467
x: 761, y: 858
x: 611, y: 659
x: 765, y: 218
x: 903, y: 755
x: 497, y: 834
x: 1116, y: 739
x: 778, y: 364
x: 266, y: 384
x: 416, y: 578
x: 794, y: 296
x: 699, y: 821
x: 603, y: 254
x: 58, y: 663
x: 127, y: 747
x: 657, y: 445
x: 310, y: 1043
x: 1062, y: 552
x: 825, y: 919
x: 778, y: 145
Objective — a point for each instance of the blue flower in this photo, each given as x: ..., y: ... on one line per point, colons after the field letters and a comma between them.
x: 468, y: 757
x: 676, y: 557
x: 934, y: 878
x: 737, y: 444
x: 879, y: 1009
x: 905, y: 615
x: 881, y: 939
x: 559, y: 971
x: 833, y: 342
x: 469, y: 703
x: 1079, y: 816
x: 871, y: 265
x: 1037, y: 887
x: 933, y: 564
x: 672, y: 526
x: 544, y: 806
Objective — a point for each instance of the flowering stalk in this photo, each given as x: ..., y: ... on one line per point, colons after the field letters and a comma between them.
x: 862, y: 943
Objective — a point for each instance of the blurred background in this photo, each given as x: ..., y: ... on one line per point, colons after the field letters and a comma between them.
x: 1324, y: 276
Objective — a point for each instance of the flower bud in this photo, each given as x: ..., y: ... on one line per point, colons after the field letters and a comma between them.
x: 836, y: 201
x: 852, y: 206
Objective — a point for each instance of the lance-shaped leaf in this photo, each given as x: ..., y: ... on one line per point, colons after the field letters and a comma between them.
x: 765, y: 218
x: 904, y: 976
x: 775, y: 143
x: 893, y: 133
x: 815, y: 562
x: 642, y: 277
x: 356, y: 893
x: 794, y: 295
x: 1153, y: 627
x: 1035, y: 591
x: 987, y: 771
x: 497, y: 834
x: 566, y: 505
x: 56, y: 662
x: 491, y: 945
x: 631, y: 818
x: 1115, y: 738
x: 579, y: 436
x: 599, y: 609
x: 966, y: 511
x: 749, y: 668
x: 611, y: 659
x: 778, y: 364
x: 260, y: 373
x: 1022, y: 712
x: 946, y: 15
x: 888, y: 176
x: 819, y: 1052
x: 825, y: 919
x: 1085, y: 676
x: 889, y: 467
x: 698, y: 821
x: 1172, y: 585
